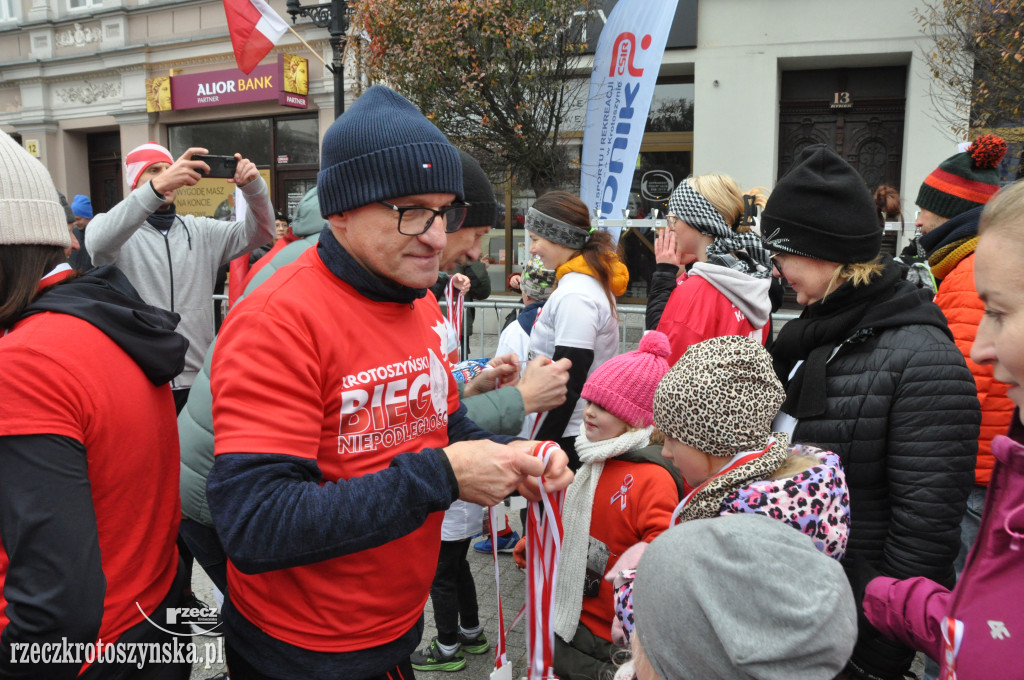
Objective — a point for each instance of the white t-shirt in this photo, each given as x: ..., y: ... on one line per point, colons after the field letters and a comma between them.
x: 576, y: 315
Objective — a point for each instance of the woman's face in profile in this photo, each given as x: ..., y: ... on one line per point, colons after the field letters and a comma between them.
x: 808, y: 277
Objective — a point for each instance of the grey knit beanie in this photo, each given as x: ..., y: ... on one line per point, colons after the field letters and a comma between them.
x: 720, y: 397
x: 382, y: 148
x: 30, y: 211
x: 742, y: 596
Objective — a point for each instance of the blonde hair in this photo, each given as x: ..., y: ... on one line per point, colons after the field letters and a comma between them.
x: 641, y: 664
x: 794, y: 465
x: 860, y: 273
x: 1005, y: 212
x: 725, y: 195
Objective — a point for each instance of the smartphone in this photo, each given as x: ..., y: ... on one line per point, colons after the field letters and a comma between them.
x: 220, y: 166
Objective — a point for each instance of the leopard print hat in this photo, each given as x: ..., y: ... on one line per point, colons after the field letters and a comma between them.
x: 720, y: 397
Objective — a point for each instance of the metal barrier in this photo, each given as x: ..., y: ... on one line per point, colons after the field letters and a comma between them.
x: 631, y: 323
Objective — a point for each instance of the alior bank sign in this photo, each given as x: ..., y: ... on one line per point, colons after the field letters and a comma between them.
x: 287, y: 81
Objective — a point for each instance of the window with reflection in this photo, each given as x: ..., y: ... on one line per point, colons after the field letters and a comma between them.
x: 250, y: 137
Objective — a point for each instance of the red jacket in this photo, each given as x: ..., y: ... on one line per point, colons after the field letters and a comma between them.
x: 959, y: 301
x: 633, y: 502
x: 984, y: 609
x: 711, y: 301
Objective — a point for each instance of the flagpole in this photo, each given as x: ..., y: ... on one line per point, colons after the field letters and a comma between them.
x: 308, y: 46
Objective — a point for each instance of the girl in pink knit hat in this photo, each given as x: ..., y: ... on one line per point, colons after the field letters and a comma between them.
x: 622, y: 494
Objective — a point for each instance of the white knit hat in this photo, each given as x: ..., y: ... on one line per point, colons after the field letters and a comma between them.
x: 30, y: 210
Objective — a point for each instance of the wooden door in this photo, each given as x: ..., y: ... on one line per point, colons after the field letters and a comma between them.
x: 106, y: 183
x: 869, y: 136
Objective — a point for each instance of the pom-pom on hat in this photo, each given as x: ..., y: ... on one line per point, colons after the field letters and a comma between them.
x: 822, y: 209
x: 30, y: 209
x: 720, y: 397
x: 141, y: 157
x: 964, y: 180
x: 81, y: 206
x: 382, y: 148
x: 483, y: 208
x: 624, y: 385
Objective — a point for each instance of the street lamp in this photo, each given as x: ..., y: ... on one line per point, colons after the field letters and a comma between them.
x: 332, y: 15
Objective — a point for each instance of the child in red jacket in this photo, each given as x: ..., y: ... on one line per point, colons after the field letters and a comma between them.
x: 617, y: 499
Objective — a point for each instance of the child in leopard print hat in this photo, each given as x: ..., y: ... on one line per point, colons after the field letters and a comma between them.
x: 715, y: 407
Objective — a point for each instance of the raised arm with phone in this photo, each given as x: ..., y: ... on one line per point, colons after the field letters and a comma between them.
x: 172, y: 259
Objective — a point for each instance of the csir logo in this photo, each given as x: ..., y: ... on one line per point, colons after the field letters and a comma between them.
x: 624, y: 52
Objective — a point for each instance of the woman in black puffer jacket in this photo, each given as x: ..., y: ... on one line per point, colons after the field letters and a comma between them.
x: 872, y: 373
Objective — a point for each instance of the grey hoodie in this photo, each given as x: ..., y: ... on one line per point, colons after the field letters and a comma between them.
x: 177, y: 271
x: 750, y: 295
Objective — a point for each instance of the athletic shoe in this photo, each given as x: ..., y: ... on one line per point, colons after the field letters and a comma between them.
x: 433, y: 659
x: 506, y: 544
x: 477, y: 645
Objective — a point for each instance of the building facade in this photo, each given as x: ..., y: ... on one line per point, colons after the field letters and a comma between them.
x: 743, y: 86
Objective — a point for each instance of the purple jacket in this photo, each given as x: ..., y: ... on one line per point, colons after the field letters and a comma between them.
x: 987, y: 604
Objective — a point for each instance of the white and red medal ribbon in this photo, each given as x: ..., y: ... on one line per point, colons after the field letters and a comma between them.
x: 502, y: 669
x: 543, y: 545
x: 455, y: 302
x: 952, y: 638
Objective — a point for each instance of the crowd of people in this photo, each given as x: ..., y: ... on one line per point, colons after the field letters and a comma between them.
x: 824, y: 500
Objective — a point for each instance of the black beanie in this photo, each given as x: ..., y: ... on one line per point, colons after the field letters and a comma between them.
x: 383, y: 148
x: 483, y: 209
x: 822, y: 209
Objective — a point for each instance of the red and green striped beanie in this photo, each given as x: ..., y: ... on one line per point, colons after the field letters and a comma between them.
x: 964, y: 180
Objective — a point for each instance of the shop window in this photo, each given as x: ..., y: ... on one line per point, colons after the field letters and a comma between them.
x: 671, y: 106
x: 249, y: 137
x: 298, y: 141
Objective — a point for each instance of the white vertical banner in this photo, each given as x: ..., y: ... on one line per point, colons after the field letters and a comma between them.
x: 626, y: 66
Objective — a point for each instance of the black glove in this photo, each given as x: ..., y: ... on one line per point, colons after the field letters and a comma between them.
x: 862, y: 573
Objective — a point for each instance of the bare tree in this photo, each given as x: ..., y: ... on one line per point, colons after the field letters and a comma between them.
x: 499, y: 78
x: 977, y: 64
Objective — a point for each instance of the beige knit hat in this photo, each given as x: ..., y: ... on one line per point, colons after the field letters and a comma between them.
x: 30, y: 210
x: 720, y: 397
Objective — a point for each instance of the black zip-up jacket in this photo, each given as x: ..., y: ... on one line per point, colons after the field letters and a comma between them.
x: 902, y: 413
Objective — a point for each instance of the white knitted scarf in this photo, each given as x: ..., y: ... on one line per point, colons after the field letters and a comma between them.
x: 576, y: 512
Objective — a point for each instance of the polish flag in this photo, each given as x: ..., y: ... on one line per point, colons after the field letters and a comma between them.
x: 255, y: 28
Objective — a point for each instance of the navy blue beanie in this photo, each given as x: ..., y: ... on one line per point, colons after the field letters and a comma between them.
x: 382, y: 148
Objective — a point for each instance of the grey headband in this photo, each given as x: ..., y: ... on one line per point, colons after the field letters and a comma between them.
x: 556, y: 231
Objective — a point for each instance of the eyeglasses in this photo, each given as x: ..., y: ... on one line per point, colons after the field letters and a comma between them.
x: 417, y: 219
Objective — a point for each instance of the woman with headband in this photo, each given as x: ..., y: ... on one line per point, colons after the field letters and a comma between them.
x: 725, y: 291
x: 579, y: 319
